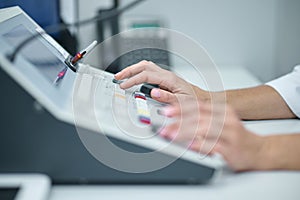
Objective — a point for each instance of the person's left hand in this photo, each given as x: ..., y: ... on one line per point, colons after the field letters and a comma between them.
x: 215, y: 129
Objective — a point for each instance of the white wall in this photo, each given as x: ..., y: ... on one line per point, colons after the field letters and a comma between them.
x: 287, y: 50
x: 262, y: 35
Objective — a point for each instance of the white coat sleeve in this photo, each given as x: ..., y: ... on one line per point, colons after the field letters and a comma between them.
x: 288, y: 86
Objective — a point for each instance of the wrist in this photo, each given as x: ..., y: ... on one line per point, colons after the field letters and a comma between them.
x: 201, y: 95
x: 269, y: 160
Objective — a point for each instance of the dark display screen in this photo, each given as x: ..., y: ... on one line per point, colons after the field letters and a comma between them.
x: 8, y: 193
x: 38, y: 52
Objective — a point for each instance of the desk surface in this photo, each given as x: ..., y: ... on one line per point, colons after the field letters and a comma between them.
x: 248, y: 185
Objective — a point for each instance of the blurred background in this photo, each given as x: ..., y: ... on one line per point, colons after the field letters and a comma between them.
x: 262, y: 36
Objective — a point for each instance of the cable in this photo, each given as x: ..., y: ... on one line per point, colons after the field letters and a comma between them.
x: 61, y: 26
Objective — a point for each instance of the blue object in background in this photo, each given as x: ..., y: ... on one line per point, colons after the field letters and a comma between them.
x: 44, y: 12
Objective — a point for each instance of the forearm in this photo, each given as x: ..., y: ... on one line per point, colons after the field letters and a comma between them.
x: 261, y: 102
x: 281, y: 152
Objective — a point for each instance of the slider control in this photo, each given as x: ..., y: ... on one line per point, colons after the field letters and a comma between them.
x: 147, y: 87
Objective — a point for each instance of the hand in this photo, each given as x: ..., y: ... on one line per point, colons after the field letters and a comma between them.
x: 171, y: 85
x: 212, y: 129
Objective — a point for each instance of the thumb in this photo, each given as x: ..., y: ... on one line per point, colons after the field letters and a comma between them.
x: 162, y: 95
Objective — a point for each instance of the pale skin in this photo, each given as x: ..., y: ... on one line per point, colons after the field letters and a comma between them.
x: 218, y: 128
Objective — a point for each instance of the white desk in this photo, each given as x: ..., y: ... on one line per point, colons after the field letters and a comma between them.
x: 249, y: 185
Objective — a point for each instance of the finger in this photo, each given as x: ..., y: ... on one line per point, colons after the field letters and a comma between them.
x: 204, y: 146
x: 171, y: 111
x: 142, y: 77
x: 174, y: 110
x: 223, y: 123
x: 210, y: 128
x: 132, y: 70
x: 165, y: 79
x: 181, y: 108
x: 196, y: 143
x: 207, y: 146
x: 169, y: 130
x: 163, y: 96
x: 219, y: 148
x: 172, y: 132
x: 180, y: 132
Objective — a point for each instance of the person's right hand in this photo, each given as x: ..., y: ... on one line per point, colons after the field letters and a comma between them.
x: 210, y: 129
x: 172, y: 87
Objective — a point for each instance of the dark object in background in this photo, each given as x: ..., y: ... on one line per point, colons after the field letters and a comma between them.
x: 158, y: 56
x: 45, y: 12
x: 112, y: 27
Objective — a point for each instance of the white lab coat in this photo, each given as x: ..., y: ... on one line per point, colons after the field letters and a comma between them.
x: 288, y: 86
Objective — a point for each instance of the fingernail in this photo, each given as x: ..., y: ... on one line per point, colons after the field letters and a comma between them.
x: 117, y: 74
x: 173, y: 135
x: 155, y: 93
x: 163, y: 133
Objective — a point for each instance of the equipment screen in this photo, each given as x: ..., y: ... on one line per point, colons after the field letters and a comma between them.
x: 8, y: 193
x: 37, y: 51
